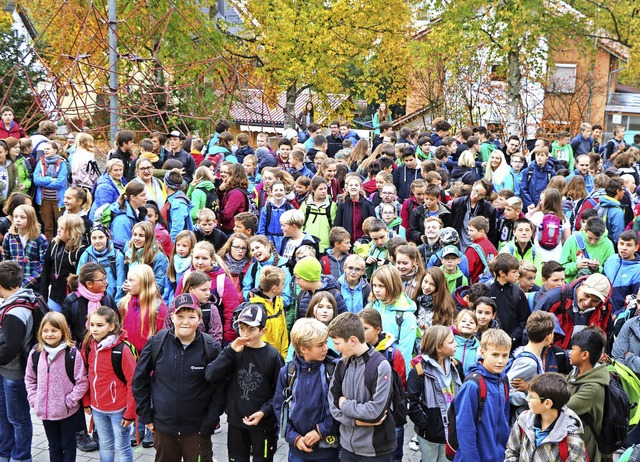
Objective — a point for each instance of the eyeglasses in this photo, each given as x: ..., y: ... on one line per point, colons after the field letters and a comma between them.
x: 238, y: 248
x: 353, y: 269
x: 104, y: 279
x: 530, y: 398
x: 145, y: 169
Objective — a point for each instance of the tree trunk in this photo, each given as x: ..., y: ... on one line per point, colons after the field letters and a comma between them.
x: 290, y: 107
x: 514, y: 86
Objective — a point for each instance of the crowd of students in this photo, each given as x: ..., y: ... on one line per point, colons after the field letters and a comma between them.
x: 312, y: 288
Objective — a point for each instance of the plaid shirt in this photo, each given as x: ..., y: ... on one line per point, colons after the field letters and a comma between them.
x: 30, y: 258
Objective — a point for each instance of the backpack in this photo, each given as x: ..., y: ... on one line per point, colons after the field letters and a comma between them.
x: 397, y: 404
x: 287, y: 392
x: 631, y: 385
x: 69, y: 362
x: 103, y: 215
x: 615, y: 419
x: 269, y: 207
x: 530, y: 175
x: 158, y: 341
x: 116, y: 357
x: 38, y: 311
x: 211, y: 198
x: 549, y: 231
x: 526, y: 354
x: 326, y: 265
x: 486, y: 277
x: 327, y: 212
x: 581, y: 206
x: 452, y: 439
x: 251, y: 205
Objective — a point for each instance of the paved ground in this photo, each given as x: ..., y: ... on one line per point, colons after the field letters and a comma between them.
x: 41, y: 451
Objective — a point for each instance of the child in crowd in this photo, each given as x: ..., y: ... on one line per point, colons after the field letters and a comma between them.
x: 377, y: 256
x: 177, y: 209
x: 486, y: 311
x: 527, y: 275
x: 450, y: 256
x: 235, y: 255
x: 263, y: 256
x: 418, y: 189
x: 101, y: 251
x: 270, y: 296
x: 528, y: 360
x: 435, y: 305
x: 300, y: 190
x: 252, y: 367
x: 206, y: 229
x: 552, y: 277
x: 308, y: 420
x: 395, y: 307
x: 245, y: 223
x: 388, y: 196
x: 484, y: 440
x: 250, y: 164
x: 184, y: 430
x: 269, y: 221
x: 390, y: 217
x: 430, y: 242
x: 481, y: 251
x: 143, y: 249
x: 54, y: 396
x: 432, y: 385
x: 586, y: 251
x: 198, y: 284
x: 464, y: 329
x: 513, y: 309
x: 587, y: 384
x: 334, y: 258
x: 521, y: 246
x: 354, y: 287
x: 179, y: 262
x: 291, y: 223
x: 159, y: 227
x: 353, y: 401
x: 110, y: 400
x: 319, y: 211
x: 548, y: 430
x: 25, y: 245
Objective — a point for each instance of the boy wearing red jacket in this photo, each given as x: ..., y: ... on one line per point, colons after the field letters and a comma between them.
x: 481, y: 251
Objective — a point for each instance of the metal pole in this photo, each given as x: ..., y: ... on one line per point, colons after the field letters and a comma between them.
x: 113, y: 71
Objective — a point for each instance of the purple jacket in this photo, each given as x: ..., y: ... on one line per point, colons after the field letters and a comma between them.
x: 45, y: 392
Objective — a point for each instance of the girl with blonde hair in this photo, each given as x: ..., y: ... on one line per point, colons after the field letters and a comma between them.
x: 84, y: 168
x: 499, y: 172
x: 143, y: 248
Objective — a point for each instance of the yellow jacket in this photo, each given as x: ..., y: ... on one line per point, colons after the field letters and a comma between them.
x: 276, y: 334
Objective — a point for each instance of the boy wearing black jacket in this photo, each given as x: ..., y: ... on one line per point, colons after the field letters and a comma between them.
x: 177, y: 404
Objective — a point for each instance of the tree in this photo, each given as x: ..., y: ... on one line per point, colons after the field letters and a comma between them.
x: 20, y: 73
x: 329, y: 46
x: 512, y: 38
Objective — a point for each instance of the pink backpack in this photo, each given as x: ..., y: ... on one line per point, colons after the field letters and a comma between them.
x: 549, y: 231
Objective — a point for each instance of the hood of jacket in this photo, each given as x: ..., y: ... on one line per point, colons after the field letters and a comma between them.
x: 329, y: 282
x: 459, y: 171
x: 607, y: 201
x: 206, y: 184
x: 599, y: 375
x: 342, y: 280
x: 462, y: 342
x: 567, y: 423
x: 128, y: 211
x: 20, y: 294
x: 384, y: 341
x: 395, y: 222
x: 489, y: 376
x: 459, y: 294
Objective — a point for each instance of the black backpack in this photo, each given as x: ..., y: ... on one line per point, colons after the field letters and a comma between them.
x: 38, y: 311
x: 116, y: 357
x: 69, y: 362
x: 211, y: 198
x: 210, y: 349
x: 615, y: 419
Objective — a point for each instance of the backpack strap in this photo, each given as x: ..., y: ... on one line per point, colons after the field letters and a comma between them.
x: 563, y: 447
x: 156, y: 345
x: 220, y: 284
x: 480, y: 251
x: 482, y: 392
x: 70, y: 363
x: 268, y: 220
x: 581, y: 244
x: 116, y: 361
x: 399, y: 319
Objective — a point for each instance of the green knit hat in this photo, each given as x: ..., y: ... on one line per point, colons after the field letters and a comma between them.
x: 308, y: 269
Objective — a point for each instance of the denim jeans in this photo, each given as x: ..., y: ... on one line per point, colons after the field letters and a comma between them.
x: 16, y: 430
x: 113, y: 436
x: 397, y: 456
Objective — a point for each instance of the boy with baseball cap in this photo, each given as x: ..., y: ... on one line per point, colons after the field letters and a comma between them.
x: 452, y: 273
x: 252, y: 367
x: 183, y: 430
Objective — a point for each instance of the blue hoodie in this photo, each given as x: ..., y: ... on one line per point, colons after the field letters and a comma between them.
x: 354, y: 299
x: 105, y: 192
x: 249, y: 282
x: 110, y: 256
x: 611, y: 212
x: 466, y: 351
x: 122, y: 222
x: 625, y: 279
x: 483, y: 441
x: 309, y: 408
x: 273, y: 229
x: 179, y: 214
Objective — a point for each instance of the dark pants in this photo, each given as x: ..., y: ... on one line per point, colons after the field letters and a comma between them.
x: 61, y: 435
x: 243, y: 443
x: 190, y: 447
x: 397, y: 456
x: 351, y: 457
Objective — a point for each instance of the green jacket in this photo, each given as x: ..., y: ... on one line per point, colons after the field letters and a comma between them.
x: 563, y: 153
x: 568, y: 259
x: 198, y: 197
x: 453, y: 278
x: 24, y: 174
x: 317, y: 222
x: 587, y: 397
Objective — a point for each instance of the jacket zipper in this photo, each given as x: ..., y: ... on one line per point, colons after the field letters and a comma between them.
x: 46, y: 410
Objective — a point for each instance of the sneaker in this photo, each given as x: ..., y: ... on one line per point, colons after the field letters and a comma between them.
x: 85, y: 443
x: 147, y: 441
x: 218, y: 429
x: 413, y: 443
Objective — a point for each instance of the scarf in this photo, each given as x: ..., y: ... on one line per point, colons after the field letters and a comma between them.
x: 51, y: 166
x: 52, y: 352
x: 181, y: 264
x: 235, y: 266
x: 410, y: 282
x: 94, y: 299
x: 107, y: 342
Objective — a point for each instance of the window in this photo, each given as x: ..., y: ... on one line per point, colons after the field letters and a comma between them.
x: 563, y: 79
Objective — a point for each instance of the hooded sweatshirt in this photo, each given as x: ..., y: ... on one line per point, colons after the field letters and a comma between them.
x: 625, y: 279
x: 15, y: 333
x: 466, y: 350
x: 399, y: 320
x: 482, y: 441
x: 570, y: 254
x: 611, y: 212
x: 528, y: 444
x: 198, y: 196
x: 354, y: 299
x: 587, y: 397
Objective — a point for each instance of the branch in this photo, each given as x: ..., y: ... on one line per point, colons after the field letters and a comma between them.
x: 613, y: 17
